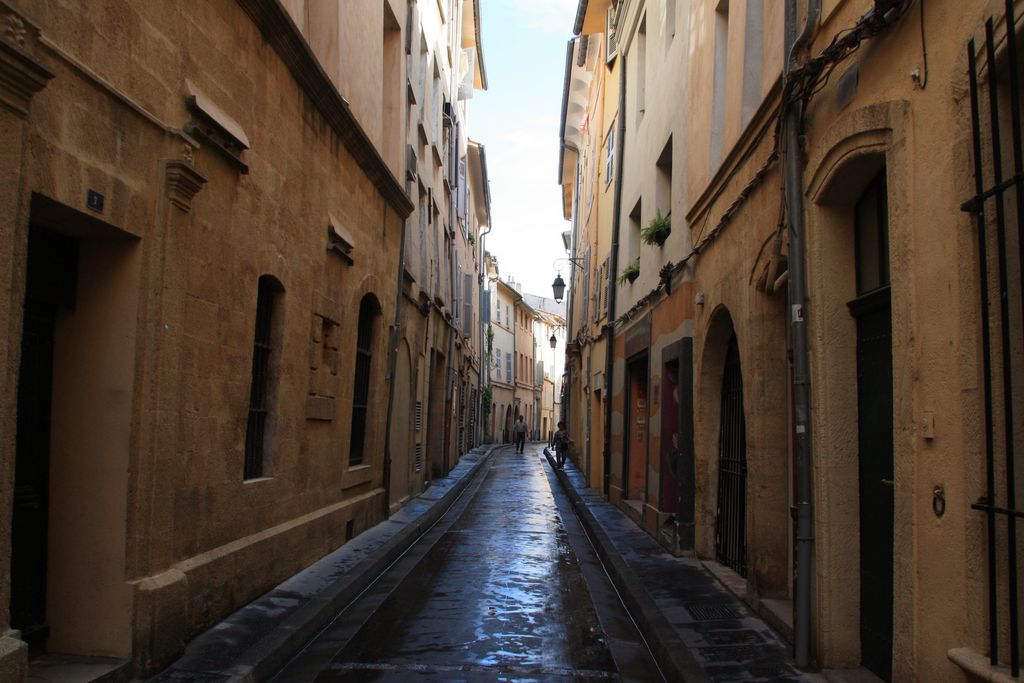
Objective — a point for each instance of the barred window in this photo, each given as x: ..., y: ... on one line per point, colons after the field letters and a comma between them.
x: 369, y: 310
x: 265, y: 362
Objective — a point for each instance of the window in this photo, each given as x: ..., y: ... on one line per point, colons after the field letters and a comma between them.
x: 265, y: 362
x: 663, y: 187
x: 871, y: 235
x: 718, y: 85
x: 641, y: 69
x: 609, y: 155
x: 497, y: 362
x: 633, y: 234
x: 369, y: 309
x: 670, y: 22
x: 999, y: 271
x: 467, y: 304
x: 752, y: 59
x: 435, y: 110
x: 508, y: 367
x: 497, y: 310
x: 609, y: 280
x: 609, y: 31
x: 391, y: 86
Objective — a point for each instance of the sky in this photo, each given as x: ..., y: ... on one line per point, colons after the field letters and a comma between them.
x: 517, y: 120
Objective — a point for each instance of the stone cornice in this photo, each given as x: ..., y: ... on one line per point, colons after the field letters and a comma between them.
x: 21, y: 74
x: 278, y: 29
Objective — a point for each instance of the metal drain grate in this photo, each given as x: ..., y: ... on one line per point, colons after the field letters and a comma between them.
x: 712, y: 612
x: 742, y: 637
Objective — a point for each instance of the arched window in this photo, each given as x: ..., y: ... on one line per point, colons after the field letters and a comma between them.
x: 266, y: 355
x: 369, y: 309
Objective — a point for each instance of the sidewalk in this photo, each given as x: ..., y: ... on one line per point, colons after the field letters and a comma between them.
x: 697, y: 629
x: 256, y: 641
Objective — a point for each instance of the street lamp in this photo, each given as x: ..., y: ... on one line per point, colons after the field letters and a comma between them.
x: 558, y: 286
x: 558, y: 289
x: 553, y: 341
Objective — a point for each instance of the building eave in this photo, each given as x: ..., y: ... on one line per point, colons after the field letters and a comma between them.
x: 277, y: 28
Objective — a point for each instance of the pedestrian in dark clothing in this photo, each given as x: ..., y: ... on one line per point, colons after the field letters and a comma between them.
x: 519, y: 430
x: 562, y: 442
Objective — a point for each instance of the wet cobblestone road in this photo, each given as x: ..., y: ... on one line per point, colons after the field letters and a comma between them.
x: 504, y: 588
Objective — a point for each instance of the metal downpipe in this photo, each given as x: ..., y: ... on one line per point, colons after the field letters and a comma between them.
x: 797, y: 291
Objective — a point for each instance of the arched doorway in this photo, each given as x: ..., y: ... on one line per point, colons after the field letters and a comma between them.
x: 506, y: 432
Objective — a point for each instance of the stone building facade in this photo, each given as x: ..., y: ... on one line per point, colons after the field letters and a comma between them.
x: 438, y: 350
x: 503, y: 301
x: 202, y: 226
x: 911, y: 309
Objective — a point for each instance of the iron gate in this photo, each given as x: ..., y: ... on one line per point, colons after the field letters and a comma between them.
x: 731, y: 524
x: 999, y: 190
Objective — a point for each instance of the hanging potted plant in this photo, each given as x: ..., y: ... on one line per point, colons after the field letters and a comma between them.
x: 657, y: 231
x: 630, y: 273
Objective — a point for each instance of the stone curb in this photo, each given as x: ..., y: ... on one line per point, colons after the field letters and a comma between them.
x: 263, y: 658
x: 673, y: 656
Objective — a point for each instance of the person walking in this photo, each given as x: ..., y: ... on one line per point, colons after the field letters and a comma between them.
x: 519, y: 430
x: 561, y: 441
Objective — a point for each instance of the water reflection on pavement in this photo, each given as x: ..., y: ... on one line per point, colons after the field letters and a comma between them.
x: 499, y: 597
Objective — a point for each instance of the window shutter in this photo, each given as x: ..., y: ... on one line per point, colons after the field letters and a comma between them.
x: 467, y: 304
x: 609, y: 32
x: 609, y: 279
x: 463, y: 191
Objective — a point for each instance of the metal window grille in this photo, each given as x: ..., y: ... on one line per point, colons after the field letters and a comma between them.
x: 418, y: 461
x: 731, y: 532
x: 998, y: 210
x: 255, y: 428
x: 418, y: 419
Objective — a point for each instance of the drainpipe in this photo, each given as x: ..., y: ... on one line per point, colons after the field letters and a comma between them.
x: 609, y: 360
x: 793, y: 174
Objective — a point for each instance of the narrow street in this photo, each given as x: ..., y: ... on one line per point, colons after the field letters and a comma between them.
x: 506, y: 585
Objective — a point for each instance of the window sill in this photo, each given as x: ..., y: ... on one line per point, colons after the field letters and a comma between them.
x: 356, y: 476
x: 978, y: 665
